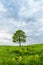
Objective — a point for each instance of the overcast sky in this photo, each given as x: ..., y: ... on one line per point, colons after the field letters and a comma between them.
x: 26, y: 15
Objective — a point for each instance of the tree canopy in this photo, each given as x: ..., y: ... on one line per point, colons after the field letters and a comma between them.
x: 19, y: 36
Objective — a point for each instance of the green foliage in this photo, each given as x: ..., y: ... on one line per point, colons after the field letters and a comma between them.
x: 24, y: 55
x: 19, y: 36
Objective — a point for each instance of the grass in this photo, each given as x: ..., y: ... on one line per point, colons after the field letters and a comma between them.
x: 24, y: 55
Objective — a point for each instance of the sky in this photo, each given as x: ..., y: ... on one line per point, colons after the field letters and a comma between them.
x: 26, y: 15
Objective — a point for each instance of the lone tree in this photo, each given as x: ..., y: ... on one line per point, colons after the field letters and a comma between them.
x: 19, y: 36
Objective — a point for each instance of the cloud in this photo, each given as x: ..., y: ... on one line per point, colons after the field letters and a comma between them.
x: 4, y: 36
x: 2, y: 8
x: 21, y: 14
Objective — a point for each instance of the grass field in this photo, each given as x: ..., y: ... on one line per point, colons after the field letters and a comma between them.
x: 24, y: 55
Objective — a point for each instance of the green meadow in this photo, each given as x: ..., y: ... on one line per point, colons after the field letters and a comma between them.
x: 24, y: 55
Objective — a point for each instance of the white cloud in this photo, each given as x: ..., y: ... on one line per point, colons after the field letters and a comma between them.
x: 2, y: 8
x: 5, y: 36
x: 29, y: 8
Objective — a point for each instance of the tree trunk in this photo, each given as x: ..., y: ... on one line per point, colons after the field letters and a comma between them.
x: 19, y: 41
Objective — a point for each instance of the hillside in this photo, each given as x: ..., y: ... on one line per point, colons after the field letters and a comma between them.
x: 24, y: 55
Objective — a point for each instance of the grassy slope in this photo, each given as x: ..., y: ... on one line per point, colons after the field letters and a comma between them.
x: 20, y: 54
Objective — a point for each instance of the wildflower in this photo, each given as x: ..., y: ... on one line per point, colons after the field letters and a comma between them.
x: 13, y: 58
x: 37, y: 56
x: 20, y: 58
